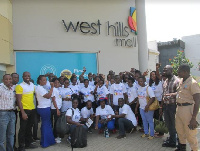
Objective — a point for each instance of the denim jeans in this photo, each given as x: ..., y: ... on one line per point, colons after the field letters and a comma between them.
x: 169, y: 115
x: 124, y: 124
x: 110, y: 125
x: 7, y: 130
x: 147, y: 119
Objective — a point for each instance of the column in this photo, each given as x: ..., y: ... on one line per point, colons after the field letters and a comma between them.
x: 142, y: 35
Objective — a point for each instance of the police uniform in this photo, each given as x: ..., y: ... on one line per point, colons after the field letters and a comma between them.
x: 185, y: 107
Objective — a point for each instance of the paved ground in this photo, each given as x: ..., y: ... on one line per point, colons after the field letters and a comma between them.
x: 97, y: 142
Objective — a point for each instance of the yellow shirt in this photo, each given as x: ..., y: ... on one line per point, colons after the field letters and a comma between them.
x: 186, y: 90
x: 27, y: 92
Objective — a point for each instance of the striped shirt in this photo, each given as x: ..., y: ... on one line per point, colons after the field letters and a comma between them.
x: 170, y: 86
x: 7, y: 98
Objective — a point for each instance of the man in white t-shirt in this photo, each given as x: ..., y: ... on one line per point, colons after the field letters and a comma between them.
x: 87, y: 112
x: 126, y: 119
x: 117, y: 90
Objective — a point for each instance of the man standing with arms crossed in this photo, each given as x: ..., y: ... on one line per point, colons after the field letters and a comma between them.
x: 24, y: 95
x: 188, y: 98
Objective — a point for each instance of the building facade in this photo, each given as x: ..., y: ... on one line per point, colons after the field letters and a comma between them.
x: 64, y: 36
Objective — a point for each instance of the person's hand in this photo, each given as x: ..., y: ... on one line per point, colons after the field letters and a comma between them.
x: 193, y: 124
x: 96, y: 127
x: 79, y: 124
x: 146, y: 108
x: 58, y: 112
x: 52, y: 84
x: 116, y: 113
x: 91, y: 92
x: 158, y: 65
x: 24, y: 116
x: 146, y: 73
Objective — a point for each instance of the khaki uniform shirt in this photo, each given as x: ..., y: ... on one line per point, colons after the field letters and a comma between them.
x: 186, y: 90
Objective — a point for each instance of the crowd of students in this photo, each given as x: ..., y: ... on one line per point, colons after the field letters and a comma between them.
x: 118, y: 102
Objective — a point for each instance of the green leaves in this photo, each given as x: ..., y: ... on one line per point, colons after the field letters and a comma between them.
x: 178, y: 60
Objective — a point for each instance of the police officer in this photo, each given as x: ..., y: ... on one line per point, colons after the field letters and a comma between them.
x: 188, y: 98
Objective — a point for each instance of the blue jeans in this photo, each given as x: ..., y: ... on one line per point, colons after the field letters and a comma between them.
x: 147, y: 119
x: 110, y: 125
x: 7, y: 130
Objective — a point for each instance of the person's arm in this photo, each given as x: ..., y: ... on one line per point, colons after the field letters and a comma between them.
x: 119, y: 116
x: 136, y: 108
x: 134, y: 101
x: 55, y: 105
x: 125, y: 98
x: 158, y: 72
x: 149, y: 103
x: 19, y: 103
x: 95, y: 89
x: 48, y: 95
x: 111, y: 99
x: 193, y: 122
x: 97, y: 122
x: 69, y: 120
x: 84, y: 70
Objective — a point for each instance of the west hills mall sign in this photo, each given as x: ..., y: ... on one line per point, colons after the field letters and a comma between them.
x: 118, y: 29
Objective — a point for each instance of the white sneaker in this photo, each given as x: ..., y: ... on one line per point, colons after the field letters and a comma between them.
x: 58, y: 141
x: 58, y: 138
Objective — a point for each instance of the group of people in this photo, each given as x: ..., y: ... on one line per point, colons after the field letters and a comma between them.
x: 118, y: 102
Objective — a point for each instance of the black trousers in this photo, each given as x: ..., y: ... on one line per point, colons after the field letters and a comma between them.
x: 25, y: 131
x: 54, y: 118
x: 169, y: 115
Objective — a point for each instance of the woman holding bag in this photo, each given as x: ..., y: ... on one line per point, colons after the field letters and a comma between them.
x: 143, y: 92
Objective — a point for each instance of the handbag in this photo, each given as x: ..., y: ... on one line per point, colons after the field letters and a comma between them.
x: 160, y: 126
x: 154, y: 105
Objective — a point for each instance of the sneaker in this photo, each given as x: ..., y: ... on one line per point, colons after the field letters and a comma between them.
x: 58, y: 141
x: 90, y: 131
x: 58, y: 138
x: 36, y: 139
x: 121, y: 136
x: 151, y: 137
x: 144, y: 135
x: 69, y: 140
x: 31, y: 146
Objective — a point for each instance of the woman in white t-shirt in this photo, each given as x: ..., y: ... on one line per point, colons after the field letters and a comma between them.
x: 88, y: 93
x: 103, y: 116
x: 101, y: 90
x: 44, y: 110
x: 73, y: 116
x: 146, y: 114
x: 66, y: 94
x: 157, y: 87
x: 56, y: 107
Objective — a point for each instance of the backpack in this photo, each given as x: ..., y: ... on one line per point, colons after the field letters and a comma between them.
x: 78, y: 137
x: 62, y: 127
